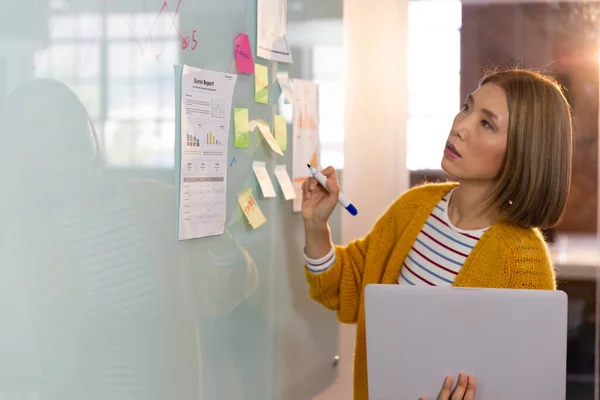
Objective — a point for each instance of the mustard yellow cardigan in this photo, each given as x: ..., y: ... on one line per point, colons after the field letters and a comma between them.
x: 506, y: 256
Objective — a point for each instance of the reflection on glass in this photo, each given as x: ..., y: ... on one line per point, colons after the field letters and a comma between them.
x: 88, y: 26
x: 63, y: 26
x: 145, y: 98
x: 89, y: 96
x: 119, y: 99
x: 139, y: 87
x: 105, y: 302
x: 146, y: 64
x: 63, y: 60
x: 167, y: 103
x: 88, y: 59
x: 120, y: 25
x: 120, y: 56
x: 163, y: 152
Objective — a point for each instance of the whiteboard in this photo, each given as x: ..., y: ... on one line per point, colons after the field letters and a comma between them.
x: 98, y: 299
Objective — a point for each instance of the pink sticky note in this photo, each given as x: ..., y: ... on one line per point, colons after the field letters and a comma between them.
x: 243, y: 55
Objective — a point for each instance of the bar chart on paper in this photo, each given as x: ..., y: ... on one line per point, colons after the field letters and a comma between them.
x: 206, y: 136
x: 210, y: 139
x: 192, y: 140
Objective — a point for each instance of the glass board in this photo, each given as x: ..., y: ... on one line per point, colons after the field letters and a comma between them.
x: 98, y: 298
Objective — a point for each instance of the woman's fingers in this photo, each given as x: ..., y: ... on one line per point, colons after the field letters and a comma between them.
x: 330, y: 173
x: 465, y: 388
x: 461, y: 387
x: 305, y: 191
x: 446, y: 389
x: 470, y: 394
x: 311, y: 186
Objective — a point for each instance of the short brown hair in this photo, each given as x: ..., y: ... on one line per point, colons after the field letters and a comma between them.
x: 533, y: 184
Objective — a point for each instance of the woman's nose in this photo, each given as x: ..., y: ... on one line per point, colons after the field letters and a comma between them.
x: 460, y: 128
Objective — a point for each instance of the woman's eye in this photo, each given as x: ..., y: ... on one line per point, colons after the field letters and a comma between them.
x: 486, y: 124
x: 465, y: 107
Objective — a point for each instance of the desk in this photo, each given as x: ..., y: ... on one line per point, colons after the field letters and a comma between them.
x: 576, y: 257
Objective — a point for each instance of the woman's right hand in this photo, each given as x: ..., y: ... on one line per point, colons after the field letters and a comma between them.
x: 317, y: 203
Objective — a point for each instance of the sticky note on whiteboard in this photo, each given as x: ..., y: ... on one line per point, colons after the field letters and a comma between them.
x: 241, y: 128
x: 251, y: 209
x: 263, y: 178
x: 261, y: 84
x: 286, y: 87
x: 265, y: 130
x: 285, y: 182
x: 243, y: 55
x: 280, y: 128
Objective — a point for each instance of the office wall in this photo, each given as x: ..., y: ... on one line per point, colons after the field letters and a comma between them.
x: 559, y: 38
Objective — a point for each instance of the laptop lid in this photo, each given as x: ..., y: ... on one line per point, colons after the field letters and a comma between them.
x: 512, y: 341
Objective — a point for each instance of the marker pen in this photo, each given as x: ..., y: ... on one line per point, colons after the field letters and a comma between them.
x: 341, y: 198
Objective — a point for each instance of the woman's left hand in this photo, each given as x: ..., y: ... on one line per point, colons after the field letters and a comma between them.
x: 464, y: 390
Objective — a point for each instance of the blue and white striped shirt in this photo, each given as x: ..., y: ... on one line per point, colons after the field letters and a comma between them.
x: 436, y: 256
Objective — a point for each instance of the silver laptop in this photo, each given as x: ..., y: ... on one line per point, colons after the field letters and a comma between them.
x: 513, y: 341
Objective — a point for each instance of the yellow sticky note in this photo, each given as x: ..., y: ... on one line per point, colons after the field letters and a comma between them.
x: 242, y: 131
x: 251, y: 209
x: 261, y: 84
x: 265, y: 130
x: 280, y: 126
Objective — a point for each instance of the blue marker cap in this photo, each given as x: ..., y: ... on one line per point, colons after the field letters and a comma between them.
x: 352, y: 210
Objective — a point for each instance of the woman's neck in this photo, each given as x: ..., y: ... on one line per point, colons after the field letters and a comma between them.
x: 469, y: 207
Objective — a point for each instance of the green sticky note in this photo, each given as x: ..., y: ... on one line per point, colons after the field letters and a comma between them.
x: 240, y: 120
x: 280, y: 131
x: 261, y: 84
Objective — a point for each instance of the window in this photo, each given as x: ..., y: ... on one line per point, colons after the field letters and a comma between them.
x: 110, y: 63
x: 433, y: 78
x: 326, y: 72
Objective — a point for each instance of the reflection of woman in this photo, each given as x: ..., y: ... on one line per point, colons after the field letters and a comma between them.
x: 116, y: 297
x: 510, y: 150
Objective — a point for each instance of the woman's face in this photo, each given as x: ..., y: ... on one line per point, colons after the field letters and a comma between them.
x: 476, y: 146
